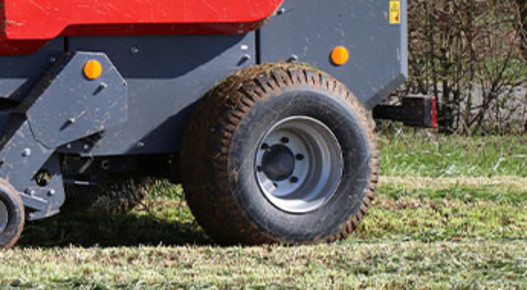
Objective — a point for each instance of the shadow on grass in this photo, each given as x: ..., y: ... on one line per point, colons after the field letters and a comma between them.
x: 105, y: 230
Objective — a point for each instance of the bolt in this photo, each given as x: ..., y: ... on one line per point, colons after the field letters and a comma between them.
x: 86, y: 147
x: 105, y: 164
x: 281, y: 11
x: 27, y: 152
x: 293, y: 179
x: 140, y: 144
x: 103, y: 85
x: 134, y: 50
x: 52, y: 59
x: 32, y: 192
x: 72, y: 120
x: 293, y: 58
x: 265, y: 146
x: 284, y: 140
x: 246, y: 57
x: 51, y: 192
x: 300, y: 157
x: 68, y: 146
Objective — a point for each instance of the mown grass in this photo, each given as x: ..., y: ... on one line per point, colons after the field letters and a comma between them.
x: 347, y: 264
x: 427, y: 229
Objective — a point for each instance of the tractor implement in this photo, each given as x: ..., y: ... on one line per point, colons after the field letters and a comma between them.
x: 261, y: 108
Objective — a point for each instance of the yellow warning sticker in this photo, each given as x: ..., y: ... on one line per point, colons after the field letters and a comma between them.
x: 395, y: 12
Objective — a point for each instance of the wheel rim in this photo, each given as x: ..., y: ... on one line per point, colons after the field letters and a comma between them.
x: 299, y: 164
x: 4, y: 215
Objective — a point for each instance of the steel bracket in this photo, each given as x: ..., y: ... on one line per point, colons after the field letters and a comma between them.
x: 64, y: 106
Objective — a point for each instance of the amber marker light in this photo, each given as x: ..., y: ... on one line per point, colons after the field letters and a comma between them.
x: 340, y: 55
x: 93, y: 69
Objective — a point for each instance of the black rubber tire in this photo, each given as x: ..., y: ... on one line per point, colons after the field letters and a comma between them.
x: 220, y: 145
x: 117, y: 195
x: 16, y: 215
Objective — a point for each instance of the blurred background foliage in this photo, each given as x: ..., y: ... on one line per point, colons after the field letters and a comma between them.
x: 471, y: 55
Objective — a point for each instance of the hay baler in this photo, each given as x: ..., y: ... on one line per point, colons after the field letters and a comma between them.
x: 259, y: 107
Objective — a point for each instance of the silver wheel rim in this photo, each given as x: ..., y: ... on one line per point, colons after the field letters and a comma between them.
x: 4, y: 215
x: 299, y: 164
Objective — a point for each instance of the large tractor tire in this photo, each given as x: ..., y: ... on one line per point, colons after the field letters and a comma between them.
x: 12, y: 215
x: 117, y: 195
x: 280, y: 153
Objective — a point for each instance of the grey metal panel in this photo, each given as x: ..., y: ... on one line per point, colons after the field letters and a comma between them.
x: 19, y: 73
x: 166, y: 76
x: 46, y: 200
x: 310, y: 29
x: 66, y: 106
x: 22, y: 156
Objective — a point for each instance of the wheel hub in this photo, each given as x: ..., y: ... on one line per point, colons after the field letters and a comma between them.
x: 278, y: 163
x: 299, y: 164
x: 4, y: 215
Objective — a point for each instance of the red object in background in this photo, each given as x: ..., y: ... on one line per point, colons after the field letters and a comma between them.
x: 31, y: 23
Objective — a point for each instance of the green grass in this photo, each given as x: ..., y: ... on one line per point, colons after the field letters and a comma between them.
x: 442, y: 156
x: 400, y: 212
x: 427, y: 229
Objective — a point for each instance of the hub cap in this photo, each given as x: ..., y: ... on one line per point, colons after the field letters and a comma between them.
x: 3, y: 217
x: 299, y: 164
x: 278, y: 162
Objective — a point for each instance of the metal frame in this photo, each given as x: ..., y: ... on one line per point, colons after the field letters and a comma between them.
x: 140, y: 106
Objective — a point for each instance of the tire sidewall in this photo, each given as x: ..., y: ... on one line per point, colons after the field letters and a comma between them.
x: 16, y: 217
x: 348, y: 126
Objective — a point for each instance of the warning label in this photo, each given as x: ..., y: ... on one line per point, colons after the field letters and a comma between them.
x: 395, y: 12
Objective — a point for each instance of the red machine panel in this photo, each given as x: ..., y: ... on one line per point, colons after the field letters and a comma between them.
x: 30, y: 23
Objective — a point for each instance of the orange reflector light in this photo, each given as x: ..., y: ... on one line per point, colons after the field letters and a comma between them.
x: 340, y: 55
x: 93, y: 69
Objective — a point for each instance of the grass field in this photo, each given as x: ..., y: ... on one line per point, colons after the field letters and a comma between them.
x: 450, y: 212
